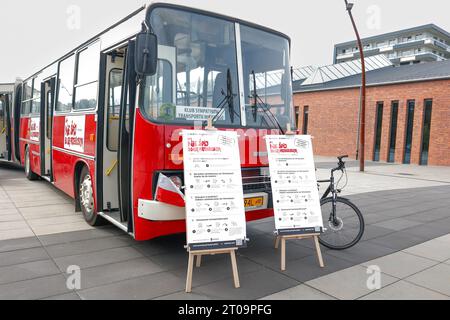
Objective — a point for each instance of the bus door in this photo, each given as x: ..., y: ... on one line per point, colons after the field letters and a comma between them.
x: 47, y: 98
x: 113, y: 79
x: 5, y: 143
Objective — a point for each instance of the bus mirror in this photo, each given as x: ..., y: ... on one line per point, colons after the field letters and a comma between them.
x: 146, y: 54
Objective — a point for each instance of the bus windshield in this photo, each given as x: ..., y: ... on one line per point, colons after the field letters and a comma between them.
x: 198, y: 75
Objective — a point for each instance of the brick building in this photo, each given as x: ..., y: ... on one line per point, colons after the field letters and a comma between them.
x: 408, y: 114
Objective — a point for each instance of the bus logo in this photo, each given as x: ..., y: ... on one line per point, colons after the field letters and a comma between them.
x: 74, y: 131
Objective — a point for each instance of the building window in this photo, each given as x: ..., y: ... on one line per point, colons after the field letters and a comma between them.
x: 393, y: 131
x: 426, y: 132
x: 297, y: 116
x: 378, y: 131
x: 305, y: 120
x: 409, y: 131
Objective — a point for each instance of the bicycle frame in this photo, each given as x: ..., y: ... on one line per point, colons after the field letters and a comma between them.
x: 331, y: 189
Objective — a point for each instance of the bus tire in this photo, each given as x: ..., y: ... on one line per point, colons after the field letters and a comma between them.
x: 86, y: 199
x: 28, y: 172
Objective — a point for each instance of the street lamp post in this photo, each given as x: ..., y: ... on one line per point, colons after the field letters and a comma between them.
x: 362, y: 131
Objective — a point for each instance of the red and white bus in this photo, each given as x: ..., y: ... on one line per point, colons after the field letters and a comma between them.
x: 103, y: 122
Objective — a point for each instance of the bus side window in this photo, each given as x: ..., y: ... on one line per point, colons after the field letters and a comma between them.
x: 114, y: 101
x: 26, y: 100
x: 87, y: 78
x: 65, y: 84
x: 36, y: 98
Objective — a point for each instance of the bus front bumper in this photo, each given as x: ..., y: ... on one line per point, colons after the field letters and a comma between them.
x: 159, y: 211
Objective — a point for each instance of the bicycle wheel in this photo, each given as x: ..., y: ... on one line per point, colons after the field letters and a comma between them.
x: 347, y: 231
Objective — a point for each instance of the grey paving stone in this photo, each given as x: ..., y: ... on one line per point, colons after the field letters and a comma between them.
x: 270, y: 257
x: 183, y: 296
x: 348, y: 284
x: 428, y: 231
x: 10, y: 218
x: 402, y: 290
x: 430, y: 215
x: 102, y: 275
x: 301, y: 292
x: 142, y: 288
x: 434, y: 250
x: 260, y: 242
x: 65, y: 297
x: 308, y: 268
x: 372, y: 232
x: 8, y: 210
x: 68, y: 237
x: 399, y: 240
x: 255, y: 284
x: 401, y: 264
x: 169, y: 244
x: 436, y: 278
x: 26, y: 271
x: 266, y: 227
x: 100, y: 258
x: 18, y: 244
x: 173, y: 260
x: 374, y: 218
x: 398, y: 224
x: 34, y: 289
x: 362, y: 252
x: 22, y: 256
x: 85, y: 246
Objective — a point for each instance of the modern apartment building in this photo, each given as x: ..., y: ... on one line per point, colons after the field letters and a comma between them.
x: 421, y: 44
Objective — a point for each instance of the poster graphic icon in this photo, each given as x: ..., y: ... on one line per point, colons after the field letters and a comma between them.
x: 294, y: 185
x: 215, y: 213
x: 74, y: 132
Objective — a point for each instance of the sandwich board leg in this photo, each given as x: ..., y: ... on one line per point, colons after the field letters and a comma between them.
x: 283, y: 240
x: 283, y: 254
x: 319, y: 252
x: 195, y: 257
x: 189, y: 273
x: 199, y: 261
x: 237, y: 284
x: 277, y: 242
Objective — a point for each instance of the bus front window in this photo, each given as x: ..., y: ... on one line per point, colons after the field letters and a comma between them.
x: 197, y: 77
x: 265, y: 58
x: 205, y: 65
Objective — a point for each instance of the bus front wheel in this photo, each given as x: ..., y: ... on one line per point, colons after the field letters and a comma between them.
x: 86, y: 199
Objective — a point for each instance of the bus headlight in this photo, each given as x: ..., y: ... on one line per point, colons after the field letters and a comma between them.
x: 177, y: 181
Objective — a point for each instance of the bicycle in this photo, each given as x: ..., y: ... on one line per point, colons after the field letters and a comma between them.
x: 344, y: 226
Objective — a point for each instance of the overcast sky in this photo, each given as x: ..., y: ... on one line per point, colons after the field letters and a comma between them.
x: 33, y: 33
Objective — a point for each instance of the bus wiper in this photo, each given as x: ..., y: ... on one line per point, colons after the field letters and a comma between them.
x: 259, y: 104
x: 228, y: 100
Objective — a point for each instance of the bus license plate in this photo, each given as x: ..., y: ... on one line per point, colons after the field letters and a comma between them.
x: 255, y: 202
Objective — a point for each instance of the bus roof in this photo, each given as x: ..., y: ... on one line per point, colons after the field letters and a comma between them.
x: 149, y: 7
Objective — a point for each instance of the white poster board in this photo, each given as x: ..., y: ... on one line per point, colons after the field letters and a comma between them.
x: 294, y: 185
x: 215, y: 213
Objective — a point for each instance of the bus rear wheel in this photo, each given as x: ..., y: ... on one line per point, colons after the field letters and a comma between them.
x: 86, y: 199
x: 28, y: 172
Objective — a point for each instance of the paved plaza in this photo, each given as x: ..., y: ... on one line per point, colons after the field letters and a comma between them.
x: 407, y: 212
